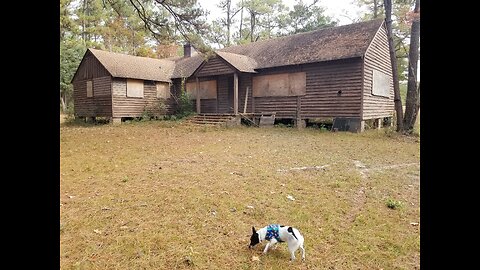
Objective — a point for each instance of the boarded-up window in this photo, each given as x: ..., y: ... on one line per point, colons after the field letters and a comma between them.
x: 381, y: 84
x: 208, y: 89
x: 163, y: 90
x: 89, y: 88
x: 285, y: 84
x: 134, y: 88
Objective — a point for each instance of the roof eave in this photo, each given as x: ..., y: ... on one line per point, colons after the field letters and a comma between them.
x: 314, y: 62
x: 145, y: 79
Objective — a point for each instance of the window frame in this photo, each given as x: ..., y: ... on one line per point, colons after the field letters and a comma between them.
x: 91, y: 91
x: 131, y: 84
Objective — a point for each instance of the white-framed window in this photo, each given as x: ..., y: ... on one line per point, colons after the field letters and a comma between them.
x: 90, y: 88
x: 381, y: 84
x: 134, y: 88
x: 163, y: 90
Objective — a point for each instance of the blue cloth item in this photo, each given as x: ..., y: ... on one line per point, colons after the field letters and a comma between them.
x: 272, y: 232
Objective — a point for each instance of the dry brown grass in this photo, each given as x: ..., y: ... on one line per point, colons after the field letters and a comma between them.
x: 164, y: 195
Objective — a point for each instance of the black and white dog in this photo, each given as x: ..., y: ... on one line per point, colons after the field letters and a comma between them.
x: 277, y: 233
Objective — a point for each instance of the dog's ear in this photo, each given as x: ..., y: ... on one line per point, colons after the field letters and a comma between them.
x: 253, y: 230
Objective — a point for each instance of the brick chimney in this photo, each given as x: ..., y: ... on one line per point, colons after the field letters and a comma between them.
x: 187, y: 50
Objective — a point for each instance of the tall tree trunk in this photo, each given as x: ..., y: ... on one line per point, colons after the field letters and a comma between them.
x: 241, y: 23
x: 412, y: 93
x: 375, y: 9
x: 229, y: 21
x: 252, y: 25
x: 417, y: 108
x: 396, y: 87
x: 83, y: 21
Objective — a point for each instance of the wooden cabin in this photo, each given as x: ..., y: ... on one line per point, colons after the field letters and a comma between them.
x: 115, y: 86
x: 341, y: 73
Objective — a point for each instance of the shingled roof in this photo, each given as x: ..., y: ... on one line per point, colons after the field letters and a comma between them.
x: 326, y: 44
x: 135, y: 67
x: 242, y: 63
x: 185, y: 66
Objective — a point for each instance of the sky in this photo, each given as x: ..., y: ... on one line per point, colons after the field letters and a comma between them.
x: 338, y: 9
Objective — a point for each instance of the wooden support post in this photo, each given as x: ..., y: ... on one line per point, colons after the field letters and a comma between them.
x: 197, y: 91
x: 299, y: 122
x: 253, y: 102
x: 379, y: 122
x: 246, y: 100
x: 235, y: 93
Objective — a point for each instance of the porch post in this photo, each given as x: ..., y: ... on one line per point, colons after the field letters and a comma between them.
x: 197, y: 91
x: 235, y: 93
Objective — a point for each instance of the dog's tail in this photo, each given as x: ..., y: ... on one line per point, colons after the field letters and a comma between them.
x: 290, y: 230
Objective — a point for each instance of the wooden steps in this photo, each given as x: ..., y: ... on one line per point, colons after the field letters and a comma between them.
x: 211, y: 119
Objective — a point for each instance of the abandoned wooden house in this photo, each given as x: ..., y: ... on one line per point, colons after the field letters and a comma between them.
x: 116, y: 85
x: 340, y: 73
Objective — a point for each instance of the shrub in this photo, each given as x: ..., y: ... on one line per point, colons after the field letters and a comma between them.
x: 392, y: 204
x: 184, y: 102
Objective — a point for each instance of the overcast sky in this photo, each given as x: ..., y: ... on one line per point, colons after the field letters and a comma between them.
x: 338, y: 9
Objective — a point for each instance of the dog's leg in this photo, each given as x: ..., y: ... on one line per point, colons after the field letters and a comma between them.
x: 292, y: 249
x: 270, y: 243
x: 292, y: 256
x: 303, y: 252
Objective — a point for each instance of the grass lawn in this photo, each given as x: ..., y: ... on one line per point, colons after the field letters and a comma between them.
x: 169, y: 195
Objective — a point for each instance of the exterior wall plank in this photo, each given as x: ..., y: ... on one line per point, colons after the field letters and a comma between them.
x: 322, y: 100
x: 377, y: 57
x: 215, y: 66
x: 124, y: 106
x: 100, y: 105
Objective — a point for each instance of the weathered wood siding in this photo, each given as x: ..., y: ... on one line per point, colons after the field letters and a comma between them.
x: 90, y: 68
x: 225, y: 93
x: 124, y: 106
x: 244, y: 81
x: 323, y: 82
x: 214, y: 66
x: 377, y: 57
x: 100, y: 104
x: 206, y: 105
x: 225, y: 101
